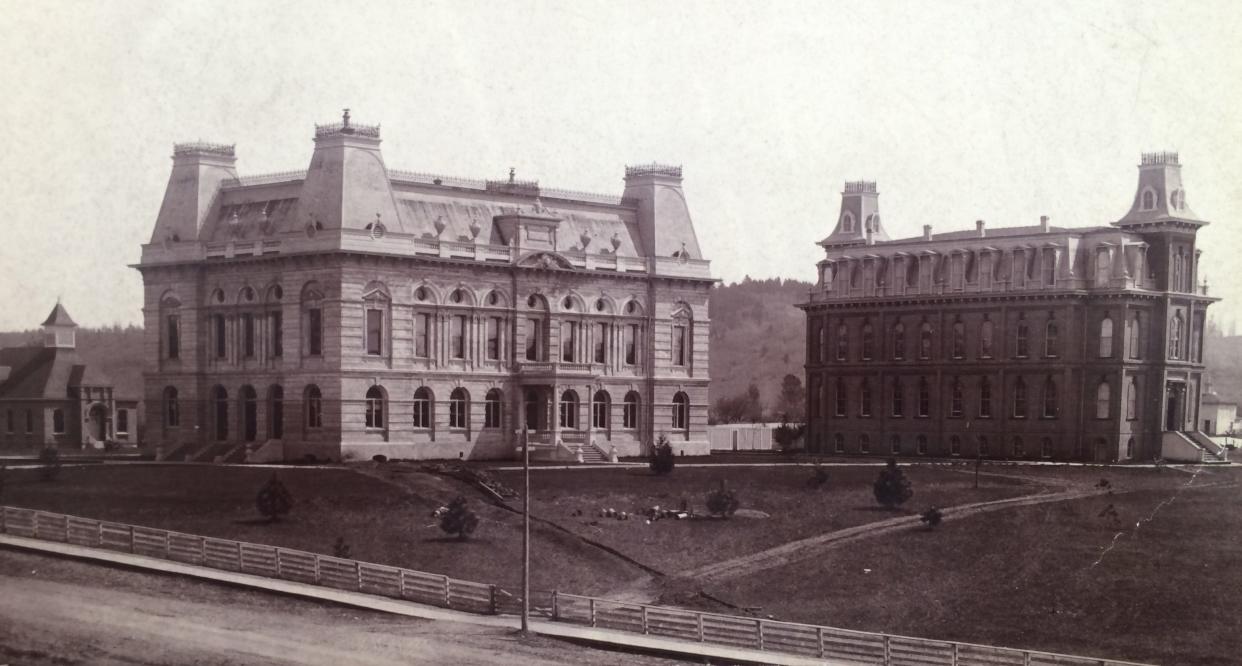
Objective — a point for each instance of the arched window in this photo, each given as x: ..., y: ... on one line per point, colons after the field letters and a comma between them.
x: 1106, y: 337
x: 956, y: 406
x: 959, y: 339
x: 899, y: 341
x: 864, y: 399
x: 843, y: 342
x: 1103, y: 395
x: 924, y: 397
x: 847, y: 222
x: 838, y: 443
x: 955, y: 446
x: 821, y: 335
x: 314, y: 407
x: 1045, y: 447
x: 1175, y: 336
x: 925, y: 340
x: 1135, y: 323
x: 376, y: 306
x: 172, y: 408
x: 569, y: 344
x: 868, y: 342
x: 535, y: 328
x: 423, y: 403
x: 1130, y: 448
x: 312, y: 320
x: 1050, y: 398
x: 1019, y: 449
x: 682, y: 338
x: 629, y: 415
x: 842, y: 398
x: 985, y: 398
x: 220, y: 398
x: 569, y: 410
x: 1103, y: 267
x: 864, y: 443
x: 275, y: 412
x: 681, y: 411
x: 1019, y: 399
x: 601, y: 405
x: 920, y: 445
x: 375, y: 408
x: 170, y: 318
x: 459, y: 408
x: 983, y: 446
x: 1052, y: 345
x: 1149, y: 199
x: 985, y: 339
x: 493, y: 405
x: 894, y: 445
x: 899, y: 398
x: 1176, y: 282
x: 1021, y: 338
x: 1132, y: 399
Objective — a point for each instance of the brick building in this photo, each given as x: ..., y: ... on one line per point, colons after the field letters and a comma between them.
x: 1018, y: 342
x: 351, y: 310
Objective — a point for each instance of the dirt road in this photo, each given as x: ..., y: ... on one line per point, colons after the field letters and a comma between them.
x: 55, y: 611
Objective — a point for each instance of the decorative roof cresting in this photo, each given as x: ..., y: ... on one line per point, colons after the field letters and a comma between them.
x: 346, y: 127
x: 860, y: 186
x: 1162, y: 157
x: 653, y: 169
x: 204, y: 147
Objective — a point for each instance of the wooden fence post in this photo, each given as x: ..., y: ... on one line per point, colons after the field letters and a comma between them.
x: 239, y: 556
x: 358, y: 571
x: 401, y: 585
x: 34, y: 523
x: 448, y: 593
x: 759, y: 634
x: 1026, y: 658
x: 276, y: 554
x: 491, y: 596
x: 888, y: 655
x: 167, y: 545
x: 643, y: 611
x: 699, y: 622
x: 131, y: 538
x: 955, y: 656
x: 819, y: 639
x: 591, y: 604
x: 317, y: 578
x: 202, y: 551
x: 556, y: 605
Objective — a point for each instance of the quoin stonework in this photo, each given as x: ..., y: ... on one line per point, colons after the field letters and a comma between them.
x: 352, y: 310
x: 1038, y: 341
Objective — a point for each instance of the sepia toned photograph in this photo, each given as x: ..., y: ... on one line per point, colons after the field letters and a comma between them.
x: 620, y: 333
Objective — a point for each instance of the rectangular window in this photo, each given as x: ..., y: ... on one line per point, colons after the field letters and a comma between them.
x: 631, y: 344
x: 534, y: 341
x: 29, y: 422
x: 174, y: 336
x: 679, y: 345
x: 493, y: 338
x: 457, y: 336
x: 569, y: 338
x: 218, y: 330
x: 8, y: 422
x: 491, y: 412
x: 601, y: 339
x: 276, y: 326
x: 629, y: 416
x: 122, y: 421
x: 422, y: 325
x: 375, y: 332
x: 58, y: 421
x: 314, y: 332
x: 248, y: 334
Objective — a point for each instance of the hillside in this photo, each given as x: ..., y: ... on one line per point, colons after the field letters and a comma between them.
x: 757, y: 336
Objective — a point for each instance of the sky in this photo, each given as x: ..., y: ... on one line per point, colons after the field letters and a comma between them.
x: 1001, y: 111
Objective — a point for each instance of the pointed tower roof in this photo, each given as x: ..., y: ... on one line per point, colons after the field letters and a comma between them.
x: 1160, y: 196
x: 59, y: 317
x: 859, y: 220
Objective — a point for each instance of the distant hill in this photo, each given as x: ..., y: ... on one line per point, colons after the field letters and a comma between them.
x: 757, y: 336
x: 1223, y: 357
x: 115, y: 351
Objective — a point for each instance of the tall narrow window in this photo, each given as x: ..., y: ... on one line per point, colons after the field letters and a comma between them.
x: 534, y: 339
x: 457, y: 336
x: 172, y: 409
x: 959, y: 339
x: 375, y: 408
x: 631, y: 344
x: 955, y: 446
x: 1021, y: 349
x: 8, y: 421
x: 1175, y: 336
x: 838, y: 443
x: 899, y: 341
x: 58, y: 421
x: 1052, y: 345
x: 868, y: 342
x: 1134, y: 324
x: 985, y: 339
x: 221, y: 399
x: 422, y: 408
x: 1051, y: 401
x: 864, y: 443
x: 122, y: 421
x: 569, y: 410
x: 956, y: 400
x: 248, y: 334
x: 894, y: 445
x: 249, y: 413
x: 569, y: 340
x: 492, y: 405
x: 985, y: 398
x: 1019, y: 399
x: 1019, y: 449
x: 1103, y: 400
x: 601, y: 342
x: 629, y: 417
x: 842, y: 399
x: 314, y: 332
x: 817, y: 347
x: 601, y: 404
x: 924, y: 397
x: 864, y: 399
x: 843, y: 342
x: 1045, y: 447
x: 173, y: 326
x: 899, y: 398
x: 679, y: 345
x: 920, y: 445
x: 459, y: 408
x: 314, y: 407
x: 275, y: 412
x: 375, y: 332
x: 681, y: 411
x: 1132, y: 399
x: 422, y: 335
x: 220, y: 335
x: 276, y: 328
x: 1106, y: 337
x: 983, y: 446
x: 493, y: 338
x: 925, y: 341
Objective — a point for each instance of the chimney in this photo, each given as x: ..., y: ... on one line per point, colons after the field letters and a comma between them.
x: 979, y: 228
x: 1043, y: 224
x: 927, y: 232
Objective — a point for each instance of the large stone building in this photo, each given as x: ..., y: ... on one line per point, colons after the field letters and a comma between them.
x: 51, y: 397
x: 1019, y: 342
x: 351, y: 310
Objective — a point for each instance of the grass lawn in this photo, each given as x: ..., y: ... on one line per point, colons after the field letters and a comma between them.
x: 795, y: 512
x: 1039, y: 577
x: 380, y: 521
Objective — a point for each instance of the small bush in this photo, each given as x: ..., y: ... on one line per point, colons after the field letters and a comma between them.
x: 931, y: 517
x: 662, y: 460
x: 722, y: 501
x: 274, y: 500
x: 819, y: 477
x: 379, y: 458
x: 892, y: 488
x: 788, y: 437
x: 457, y: 518
x: 341, y: 549
x: 49, y: 457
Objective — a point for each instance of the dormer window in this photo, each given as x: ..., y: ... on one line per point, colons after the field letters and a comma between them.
x: 1149, y: 199
x: 847, y: 222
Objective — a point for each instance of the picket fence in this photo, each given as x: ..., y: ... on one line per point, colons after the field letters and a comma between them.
x: 791, y: 638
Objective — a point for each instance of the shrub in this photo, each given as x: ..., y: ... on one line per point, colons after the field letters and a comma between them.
x: 788, y: 437
x: 379, y: 458
x: 892, y: 488
x: 274, y: 500
x: 722, y: 501
x: 458, y: 519
x: 662, y: 459
x: 50, y: 458
x: 341, y: 549
x: 819, y: 477
x: 932, y: 517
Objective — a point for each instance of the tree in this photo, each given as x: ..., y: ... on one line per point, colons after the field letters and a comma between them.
x: 341, y: 549
x: 721, y: 501
x: 457, y: 518
x: 662, y: 460
x: 274, y: 500
x: 50, y: 458
x: 787, y: 436
x: 792, y: 400
x: 932, y: 517
x: 892, y: 488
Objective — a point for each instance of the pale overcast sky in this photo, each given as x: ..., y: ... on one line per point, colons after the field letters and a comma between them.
x: 1001, y: 111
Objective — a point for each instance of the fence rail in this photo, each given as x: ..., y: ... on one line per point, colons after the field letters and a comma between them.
x: 438, y: 590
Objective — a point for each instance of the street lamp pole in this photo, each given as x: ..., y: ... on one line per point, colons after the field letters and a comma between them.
x: 526, y: 530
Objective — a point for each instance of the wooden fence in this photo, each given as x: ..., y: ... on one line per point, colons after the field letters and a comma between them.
x: 742, y: 632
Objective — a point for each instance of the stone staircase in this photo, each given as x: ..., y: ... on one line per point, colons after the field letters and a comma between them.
x: 591, y: 455
x: 1213, y: 453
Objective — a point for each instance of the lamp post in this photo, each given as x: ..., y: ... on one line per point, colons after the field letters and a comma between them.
x: 526, y: 530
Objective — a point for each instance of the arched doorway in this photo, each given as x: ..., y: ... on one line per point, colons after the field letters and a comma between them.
x: 275, y: 412
x: 536, y: 410
x: 250, y: 414
x: 97, y: 423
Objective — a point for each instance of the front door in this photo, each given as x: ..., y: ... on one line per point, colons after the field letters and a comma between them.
x: 1173, y: 407
x: 97, y: 426
x: 536, y: 410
